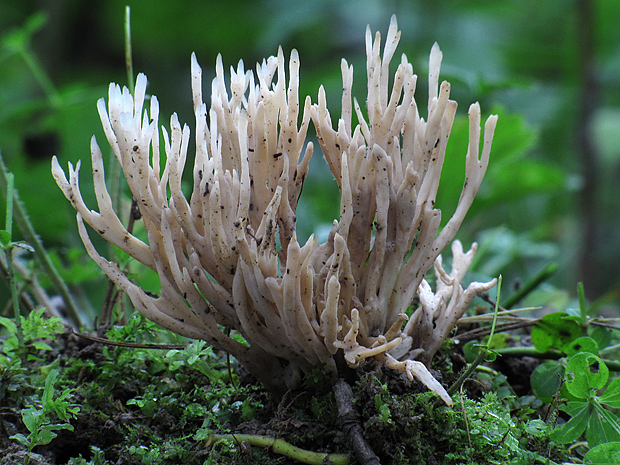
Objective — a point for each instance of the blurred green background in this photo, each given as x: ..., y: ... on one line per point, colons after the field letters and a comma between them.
x: 550, y: 69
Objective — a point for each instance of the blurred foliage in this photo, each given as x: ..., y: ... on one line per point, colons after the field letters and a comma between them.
x: 522, y: 59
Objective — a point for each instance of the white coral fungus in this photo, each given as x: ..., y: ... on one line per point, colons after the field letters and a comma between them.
x: 228, y: 256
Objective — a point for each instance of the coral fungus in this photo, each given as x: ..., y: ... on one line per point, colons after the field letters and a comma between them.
x: 228, y: 256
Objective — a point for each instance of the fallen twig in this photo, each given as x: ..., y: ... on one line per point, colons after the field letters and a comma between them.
x: 351, y: 425
x: 134, y: 345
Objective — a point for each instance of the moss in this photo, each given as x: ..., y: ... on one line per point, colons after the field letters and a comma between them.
x: 405, y: 424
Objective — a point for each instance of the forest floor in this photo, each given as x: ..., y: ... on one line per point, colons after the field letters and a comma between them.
x: 193, y: 406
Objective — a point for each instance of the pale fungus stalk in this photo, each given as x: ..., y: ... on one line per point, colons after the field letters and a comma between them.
x: 228, y: 256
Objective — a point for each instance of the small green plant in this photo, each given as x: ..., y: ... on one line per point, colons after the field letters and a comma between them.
x: 547, y: 378
x: 136, y: 329
x: 198, y: 356
x: 574, y: 374
x: 51, y: 415
x: 35, y: 328
x: 15, y: 380
x: 491, y: 426
x: 562, y: 334
x: 580, y: 378
x: 586, y: 375
x: 98, y: 458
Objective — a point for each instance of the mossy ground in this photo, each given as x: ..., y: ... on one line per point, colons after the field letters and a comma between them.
x: 153, y: 406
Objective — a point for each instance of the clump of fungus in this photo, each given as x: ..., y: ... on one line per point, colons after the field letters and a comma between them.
x: 228, y: 256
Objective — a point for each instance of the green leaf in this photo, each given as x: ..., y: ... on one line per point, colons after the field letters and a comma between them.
x: 601, y: 335
x: 21, y: 438
x: 555, y: 330
x: 546, y: 379
x: 603, y: 454
x: 471, y: 350
x: 60, y: 426
x: 48, y: 391
x: 45, y: 436
x: 573, y: 428
x: 582, y: 344
x: 499, y: 341
x: 40, y: 345
x: 585, y: 372
x: 536, y: 427
x: 611, y: 396
x: 9, y: 324
x: 33, y: 419
x: 602, y: 427
x: 5, y: 238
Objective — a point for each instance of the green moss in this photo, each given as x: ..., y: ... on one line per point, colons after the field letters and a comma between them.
x: 405, y: 427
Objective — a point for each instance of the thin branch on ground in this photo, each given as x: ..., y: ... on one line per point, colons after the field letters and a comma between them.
x: 351, y: 425
x: 109, y: 342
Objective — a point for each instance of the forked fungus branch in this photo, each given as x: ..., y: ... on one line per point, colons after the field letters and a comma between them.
x: 228, y: 256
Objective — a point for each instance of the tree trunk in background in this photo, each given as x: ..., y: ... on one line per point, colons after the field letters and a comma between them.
x: 588, y: 83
